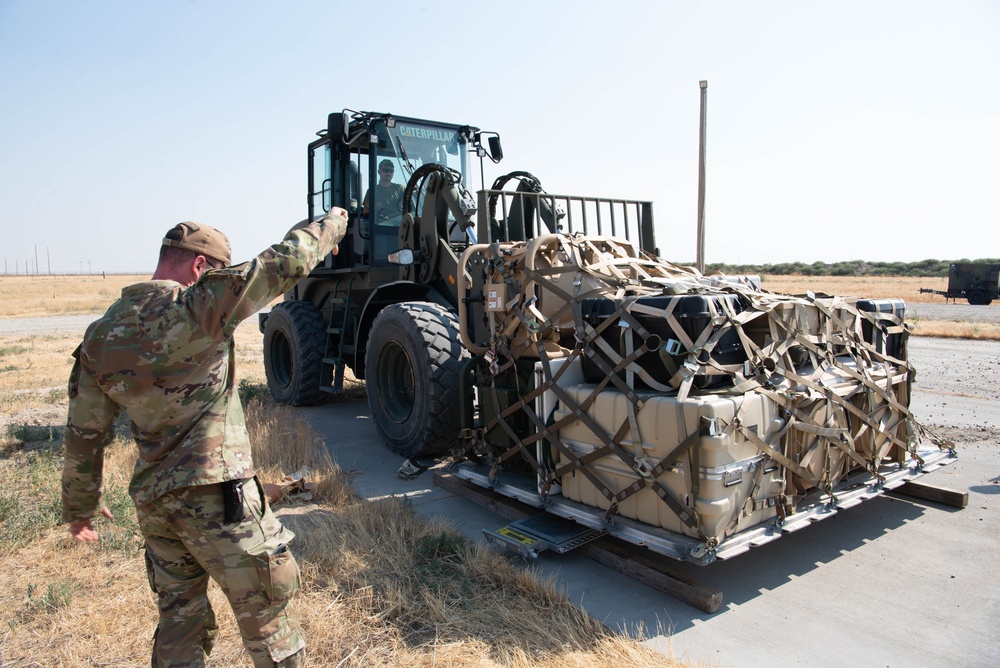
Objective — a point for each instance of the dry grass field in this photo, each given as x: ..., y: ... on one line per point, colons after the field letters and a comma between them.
x: 871, y: 287
x: 36, y: 296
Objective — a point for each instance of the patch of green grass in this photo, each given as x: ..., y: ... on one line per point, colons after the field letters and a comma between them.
x: 121, y: 533
x: 44, y: 467
x: 33, y: 496
x: 32, y: 504
x: 34, y: 432
x: 437, y: 559
x: 9, y: 505
x: 251, y: 391
x: 13, y: 350
x: 29, y: 523
x: 55, y: 597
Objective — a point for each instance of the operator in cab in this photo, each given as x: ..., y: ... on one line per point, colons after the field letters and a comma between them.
x: 388, y: 195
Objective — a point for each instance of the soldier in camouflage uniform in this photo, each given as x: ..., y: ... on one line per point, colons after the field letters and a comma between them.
x: 163, y: 354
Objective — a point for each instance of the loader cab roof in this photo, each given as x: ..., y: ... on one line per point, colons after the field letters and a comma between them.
x: 408, y: 142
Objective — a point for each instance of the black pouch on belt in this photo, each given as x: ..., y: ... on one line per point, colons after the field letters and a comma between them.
x: 232, y: 501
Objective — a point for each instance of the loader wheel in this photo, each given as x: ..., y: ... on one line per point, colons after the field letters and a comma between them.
x: 977, y: 298
x: 412, y: 368
x: 294, y: 343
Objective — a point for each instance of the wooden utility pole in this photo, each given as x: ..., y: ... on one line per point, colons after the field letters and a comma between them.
x: 701, y: 177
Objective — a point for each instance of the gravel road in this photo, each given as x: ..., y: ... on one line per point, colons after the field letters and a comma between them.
x: 954, y: 312
x: 47, y: 325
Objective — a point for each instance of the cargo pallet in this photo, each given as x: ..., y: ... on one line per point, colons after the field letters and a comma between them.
x: 620, y: 545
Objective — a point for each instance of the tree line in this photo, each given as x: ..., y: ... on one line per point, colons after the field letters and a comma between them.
x: 923, y: 268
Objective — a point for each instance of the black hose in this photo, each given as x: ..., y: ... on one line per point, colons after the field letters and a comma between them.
x: 417, y: 178
x: 530, y: 181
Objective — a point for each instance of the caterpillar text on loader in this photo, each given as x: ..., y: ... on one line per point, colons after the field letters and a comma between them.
x: 695, y: 415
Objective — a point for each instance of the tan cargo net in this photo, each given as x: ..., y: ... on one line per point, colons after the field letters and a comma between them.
x: 838, y: 374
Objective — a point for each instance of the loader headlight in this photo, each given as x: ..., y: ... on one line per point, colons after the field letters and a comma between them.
x: 403, y: 256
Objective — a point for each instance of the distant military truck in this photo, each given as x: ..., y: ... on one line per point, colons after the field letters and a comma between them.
x: 977, y: 282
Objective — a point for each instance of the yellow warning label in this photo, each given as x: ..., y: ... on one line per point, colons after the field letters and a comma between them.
x: 517, y: 536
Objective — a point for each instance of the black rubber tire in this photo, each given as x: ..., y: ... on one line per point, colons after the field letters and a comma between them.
x: 977, y: 298
x: 294, y: 344
x: 412, y: 365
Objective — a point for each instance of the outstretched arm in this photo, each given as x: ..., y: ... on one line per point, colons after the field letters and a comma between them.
x: 225, y: 297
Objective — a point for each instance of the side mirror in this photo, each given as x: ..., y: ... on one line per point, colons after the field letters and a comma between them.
x: 496, y: 151
x: 346, y: 117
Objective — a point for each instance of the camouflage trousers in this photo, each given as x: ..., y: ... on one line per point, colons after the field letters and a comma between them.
x: 187, y: 542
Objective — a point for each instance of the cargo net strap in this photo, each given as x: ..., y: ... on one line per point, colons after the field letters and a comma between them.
x: 837, y: 370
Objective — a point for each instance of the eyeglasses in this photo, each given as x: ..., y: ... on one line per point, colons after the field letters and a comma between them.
x: 387, y: 171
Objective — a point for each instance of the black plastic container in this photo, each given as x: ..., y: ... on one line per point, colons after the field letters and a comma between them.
x: 886, y: 344
x: 693, y: 314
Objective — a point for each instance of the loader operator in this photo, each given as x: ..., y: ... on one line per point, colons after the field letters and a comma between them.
x: 388, y: 195
x: 163, y: 354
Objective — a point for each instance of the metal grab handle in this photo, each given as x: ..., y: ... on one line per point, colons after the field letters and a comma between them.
x: 462, y: 292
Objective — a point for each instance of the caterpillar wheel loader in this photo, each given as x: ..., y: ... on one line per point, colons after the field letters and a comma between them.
x: 386, y: 305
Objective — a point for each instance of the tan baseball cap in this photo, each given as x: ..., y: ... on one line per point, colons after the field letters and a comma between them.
x: 202, y: 239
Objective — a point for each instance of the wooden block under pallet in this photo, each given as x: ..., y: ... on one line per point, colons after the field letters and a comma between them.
x: 616, y: 554
x: 936, y: 493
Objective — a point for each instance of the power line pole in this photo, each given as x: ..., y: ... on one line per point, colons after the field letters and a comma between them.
x: 701, y: 176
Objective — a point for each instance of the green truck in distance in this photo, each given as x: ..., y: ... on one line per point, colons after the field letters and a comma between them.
x: 976, y: 282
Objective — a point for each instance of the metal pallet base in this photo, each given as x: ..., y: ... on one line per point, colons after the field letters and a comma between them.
x: 813, y: 508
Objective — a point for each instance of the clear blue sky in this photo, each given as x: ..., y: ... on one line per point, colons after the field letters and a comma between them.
x: 836, y: 131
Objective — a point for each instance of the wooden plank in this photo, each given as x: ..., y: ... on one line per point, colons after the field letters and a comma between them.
x: 506, y: 507
x: 628, y: 559
x: 936, y: 493
x: 622, y: 557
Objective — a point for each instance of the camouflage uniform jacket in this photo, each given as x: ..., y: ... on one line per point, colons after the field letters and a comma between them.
x: 163, y: 353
